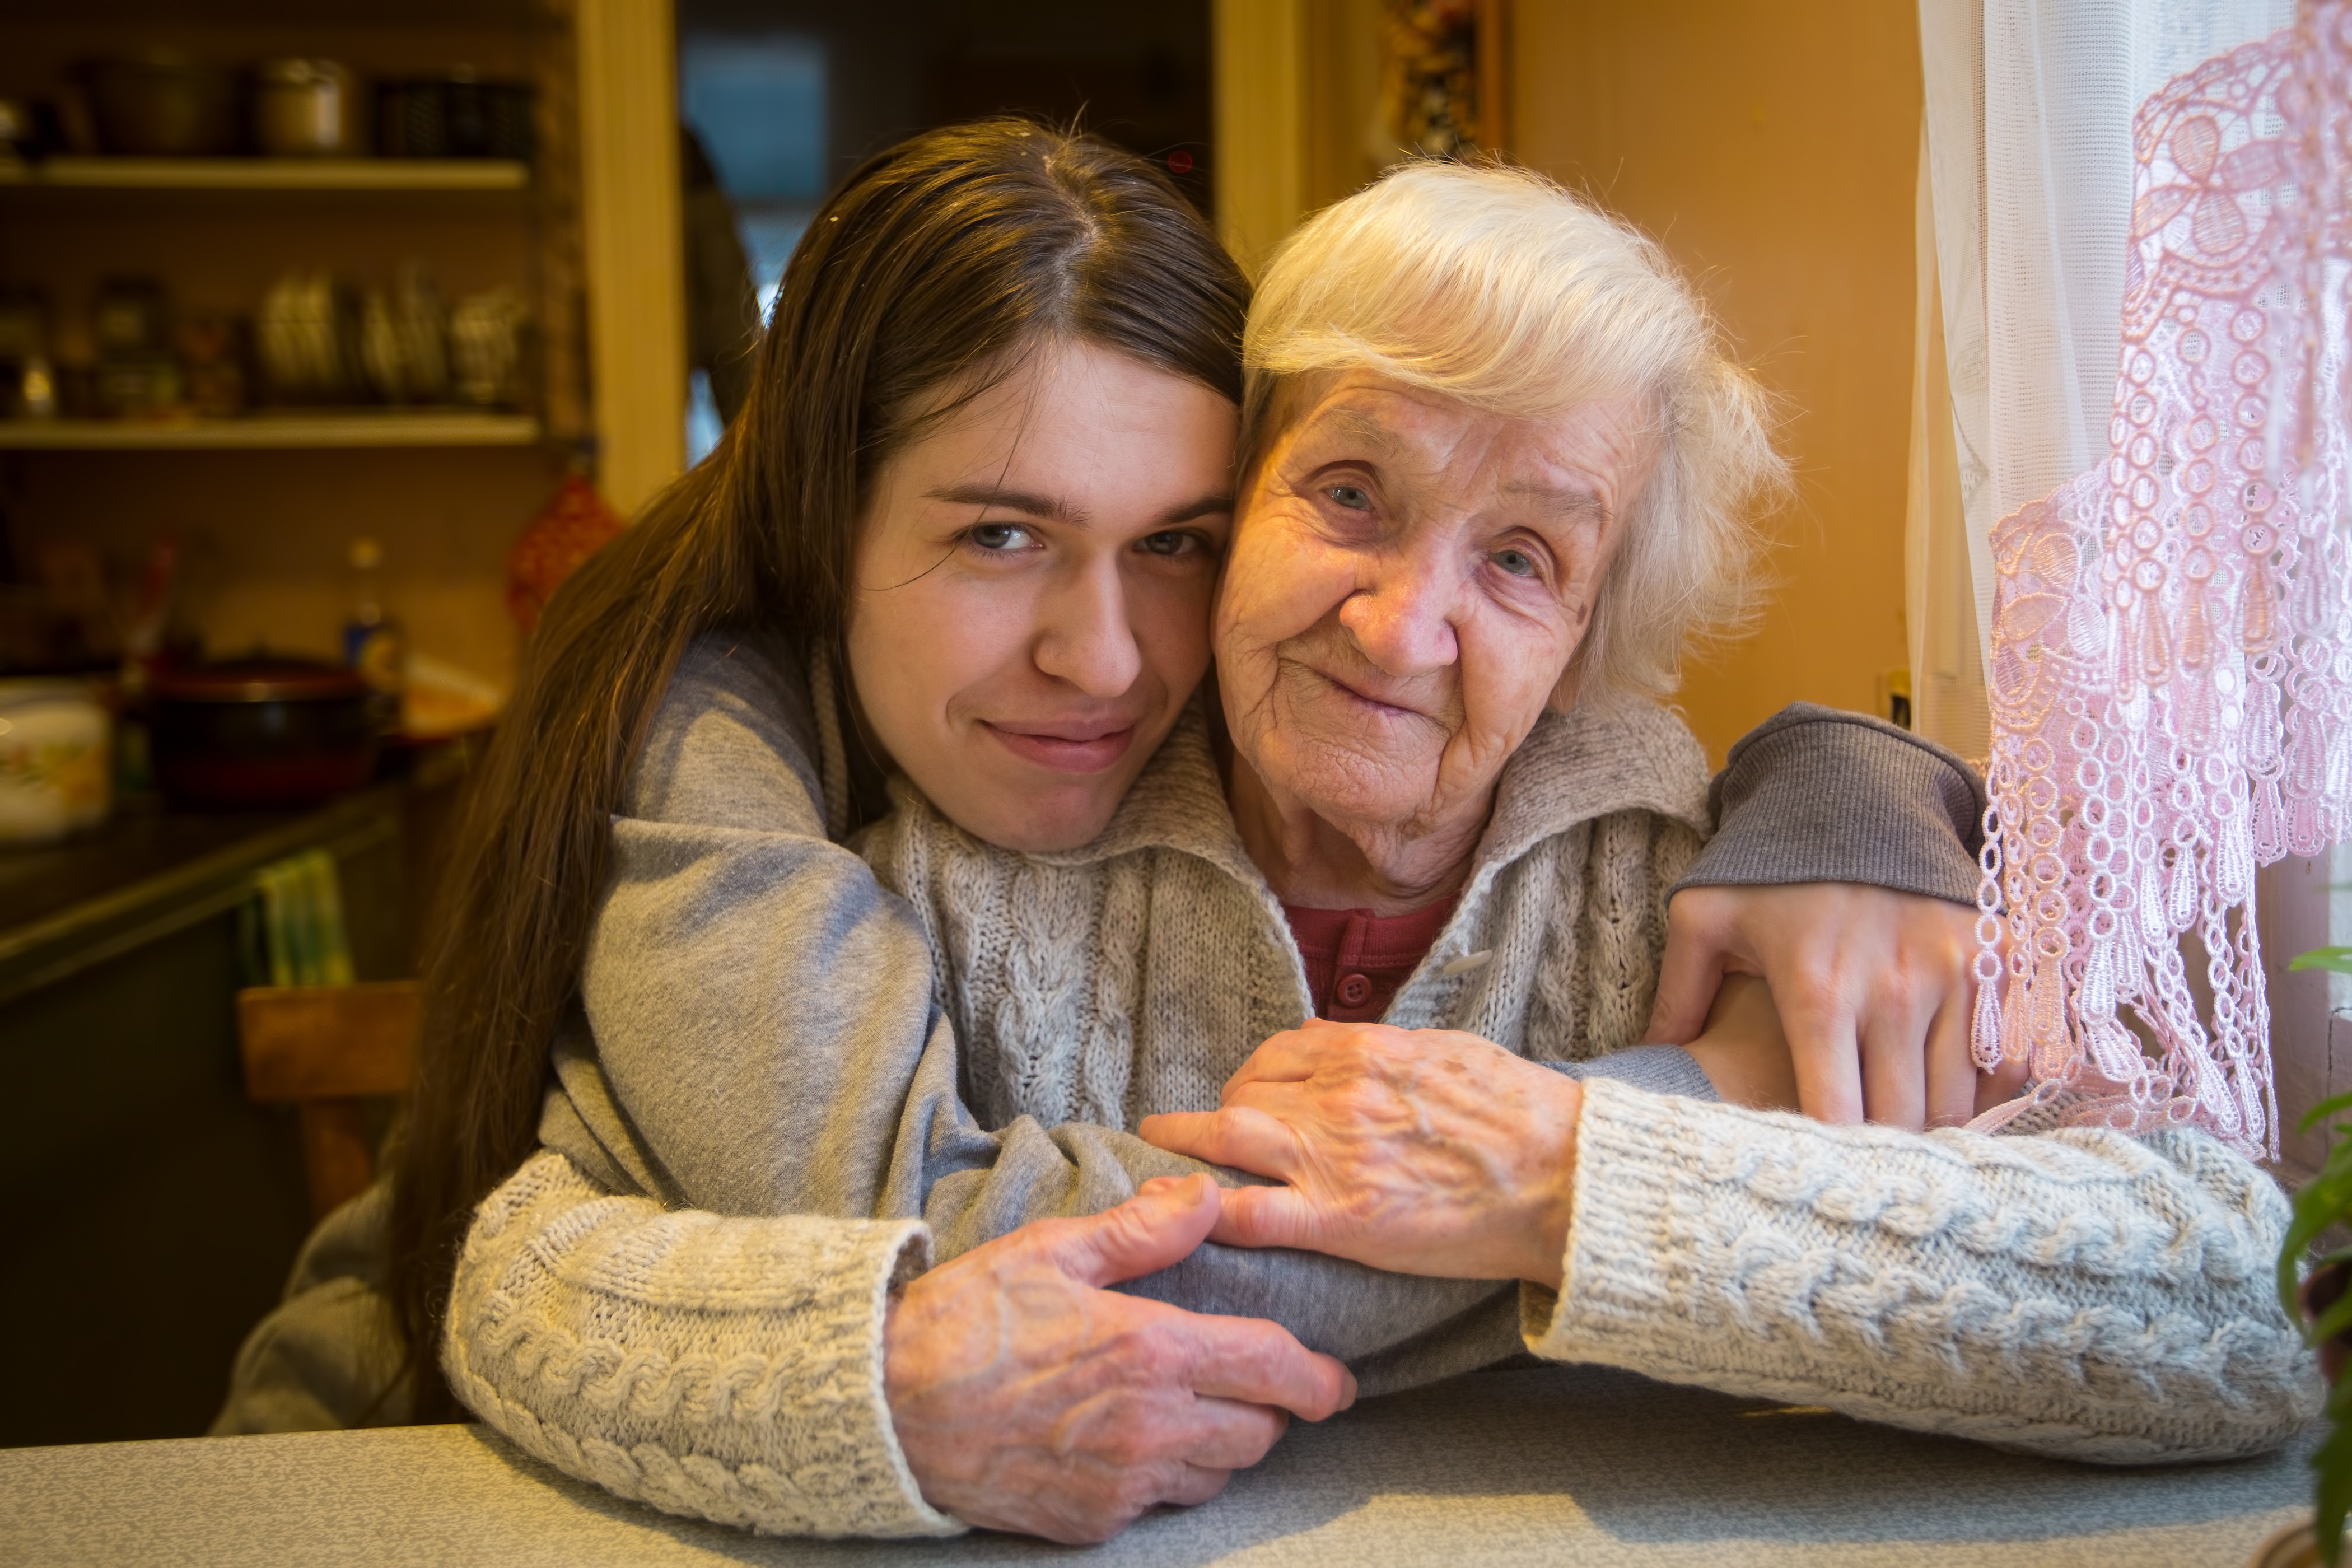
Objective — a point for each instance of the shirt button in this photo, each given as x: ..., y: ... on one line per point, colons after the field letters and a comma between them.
x: 1353, y: 990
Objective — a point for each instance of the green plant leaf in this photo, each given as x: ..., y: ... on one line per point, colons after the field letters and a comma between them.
x: 2333, y: 1321
x: 2325, y: 1109
x: 2336, y: 960
x: 2332, y: 1498
x: 2324, y: 1201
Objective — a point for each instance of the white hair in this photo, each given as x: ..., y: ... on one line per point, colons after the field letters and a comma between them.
x: 1496, y: 287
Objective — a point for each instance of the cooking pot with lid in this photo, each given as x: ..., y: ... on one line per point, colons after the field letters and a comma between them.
x: 260, y: 732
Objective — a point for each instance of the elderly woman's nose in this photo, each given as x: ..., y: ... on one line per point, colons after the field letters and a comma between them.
x: 1086, y: 636
x: 1402, y: 612
x: 1402, y: 619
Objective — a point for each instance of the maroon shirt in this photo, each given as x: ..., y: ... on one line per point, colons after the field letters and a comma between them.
x: 1356, y: 959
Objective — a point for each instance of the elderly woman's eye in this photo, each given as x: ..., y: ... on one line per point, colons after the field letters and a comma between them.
x: 1518, y: 562
x: 1352, y: 496
x: 999, y: 535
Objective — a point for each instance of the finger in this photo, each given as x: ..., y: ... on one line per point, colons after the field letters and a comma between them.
x: 1255, y: 1361
x: 1141, y: 1236
x: 1291, y: 1056
x: 1894, y: 1067
x: 2002, y: 1085
x: 1951, y: 1070
x: 1688, y: 976
x: 1286, y: 1099
x: 1827, y: 1056
x: 1267, y: 1216
x: 1233, y: 1435
x: 1239, y: 1137
x: 1197, y: 1485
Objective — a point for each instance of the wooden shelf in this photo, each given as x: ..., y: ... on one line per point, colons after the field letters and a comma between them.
x: 270, y: 432
x: 266, y: 174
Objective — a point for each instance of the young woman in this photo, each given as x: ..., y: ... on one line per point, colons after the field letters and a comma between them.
x: 987, y: 323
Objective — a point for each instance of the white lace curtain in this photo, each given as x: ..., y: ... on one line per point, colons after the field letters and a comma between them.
x: 2024, y: 204
x: 2133, y: 430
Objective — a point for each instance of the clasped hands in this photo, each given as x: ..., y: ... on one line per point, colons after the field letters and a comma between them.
x: 1027, y: 1396
x: 1431, y: 1152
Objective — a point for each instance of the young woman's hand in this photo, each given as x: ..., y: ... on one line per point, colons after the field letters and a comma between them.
x: 1026, y: 1397
x: 1745, y: 1054
x: 1874, y: 989
x: 1424, y: 1151
x: 1744, y: 1051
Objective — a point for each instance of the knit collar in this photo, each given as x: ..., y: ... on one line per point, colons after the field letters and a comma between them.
x: 1572, y: 768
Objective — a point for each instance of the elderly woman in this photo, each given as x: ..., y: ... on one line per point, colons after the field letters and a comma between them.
x: 1495, y: 468
x: 1470, y: 401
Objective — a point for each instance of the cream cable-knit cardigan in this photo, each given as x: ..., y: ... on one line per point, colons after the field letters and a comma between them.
x: 2078, y: 1293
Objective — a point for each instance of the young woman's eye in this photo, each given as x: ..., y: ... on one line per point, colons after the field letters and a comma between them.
x: 1518, y: 562
x: 1352, y: 496
x: 1170, y: 542
x: 999, y: 536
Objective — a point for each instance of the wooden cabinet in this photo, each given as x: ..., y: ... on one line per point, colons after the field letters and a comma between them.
x: 267, y: 504
x: 161, y: 1209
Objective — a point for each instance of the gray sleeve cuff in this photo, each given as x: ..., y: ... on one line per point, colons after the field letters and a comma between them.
x: 1820, y: 795
x: 1661, y: 1070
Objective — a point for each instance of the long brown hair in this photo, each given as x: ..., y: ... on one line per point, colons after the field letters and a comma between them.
x: 937, y: 265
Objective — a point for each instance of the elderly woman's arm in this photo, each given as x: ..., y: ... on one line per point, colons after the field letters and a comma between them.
x: 2079, y: 1293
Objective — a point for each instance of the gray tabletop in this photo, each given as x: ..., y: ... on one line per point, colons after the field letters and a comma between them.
x: 1548, y: 1465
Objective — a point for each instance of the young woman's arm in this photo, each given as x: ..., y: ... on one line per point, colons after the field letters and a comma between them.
x: 766, y: 1039
x: 761, y: 1034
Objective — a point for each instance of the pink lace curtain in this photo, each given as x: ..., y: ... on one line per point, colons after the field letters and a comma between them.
x: 2169, y: 658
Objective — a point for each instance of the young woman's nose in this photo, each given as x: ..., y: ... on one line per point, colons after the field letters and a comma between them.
x: 1085, y: 635
x: 1401, y: 614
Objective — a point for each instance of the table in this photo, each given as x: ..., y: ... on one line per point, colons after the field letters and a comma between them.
x: 1554, y: 1465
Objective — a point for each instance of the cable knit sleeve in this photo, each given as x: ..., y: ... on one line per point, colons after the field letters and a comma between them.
x: 728, y: 1369
x: 2078, y: 1293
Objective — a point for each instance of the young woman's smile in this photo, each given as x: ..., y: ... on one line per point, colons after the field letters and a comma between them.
x: 1071, y: 747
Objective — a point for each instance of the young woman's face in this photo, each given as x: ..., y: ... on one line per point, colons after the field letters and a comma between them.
x: 1031, y: 609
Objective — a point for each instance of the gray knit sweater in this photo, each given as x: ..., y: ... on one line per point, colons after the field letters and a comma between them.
x: 945, y: 1040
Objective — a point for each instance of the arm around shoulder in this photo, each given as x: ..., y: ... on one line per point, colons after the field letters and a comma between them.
x: 2078, y: 1293
x: 1821, y: 795
x: 730, y: 1369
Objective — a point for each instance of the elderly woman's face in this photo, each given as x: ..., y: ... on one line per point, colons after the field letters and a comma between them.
x: 1408, y: 580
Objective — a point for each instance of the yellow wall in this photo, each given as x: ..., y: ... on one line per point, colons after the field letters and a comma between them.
x: 1774, y: 150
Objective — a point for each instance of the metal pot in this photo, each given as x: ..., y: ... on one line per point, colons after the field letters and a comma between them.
x: 306, y: 109
x: 161, y: 104
x: 260, y: 732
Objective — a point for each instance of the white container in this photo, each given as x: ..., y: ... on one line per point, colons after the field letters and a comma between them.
x: 57, y: 764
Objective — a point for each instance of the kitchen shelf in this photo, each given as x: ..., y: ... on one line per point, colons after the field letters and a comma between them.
x: 266, y: 173
x: 270, y: 432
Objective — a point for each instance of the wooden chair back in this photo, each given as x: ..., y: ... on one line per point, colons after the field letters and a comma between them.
x: 324, y: 1049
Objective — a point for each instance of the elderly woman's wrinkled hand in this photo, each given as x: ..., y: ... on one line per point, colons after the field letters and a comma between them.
x: 1026, y: 1397
x: 1423, y: 1151
x: 1873, y: 987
